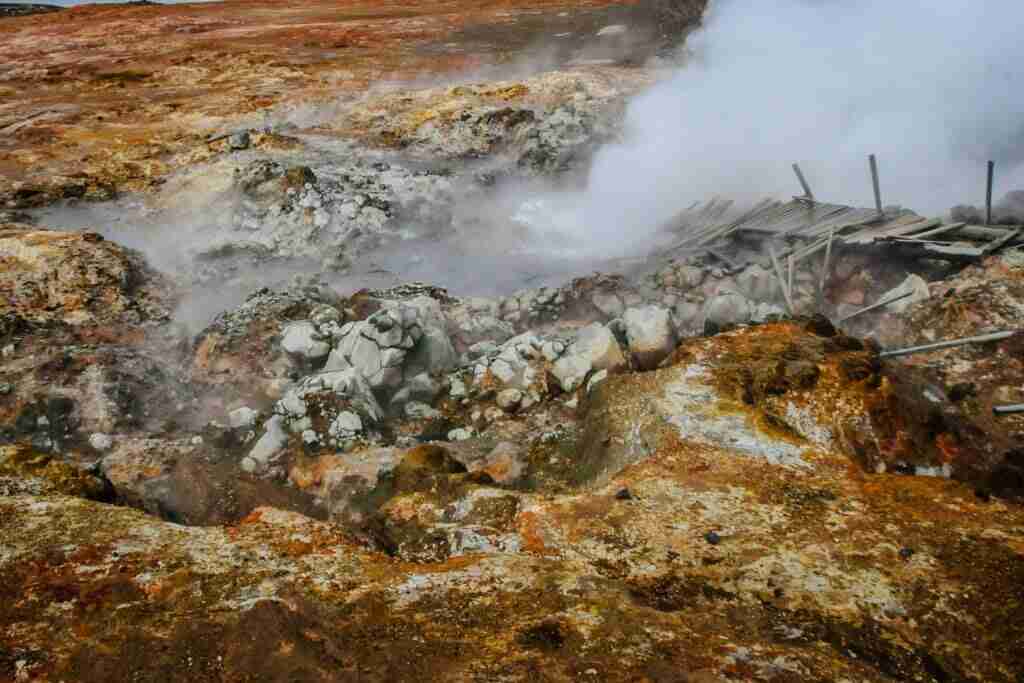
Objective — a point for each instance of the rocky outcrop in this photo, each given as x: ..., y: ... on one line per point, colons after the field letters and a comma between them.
x: 709, y: 501
x: 77, y: 279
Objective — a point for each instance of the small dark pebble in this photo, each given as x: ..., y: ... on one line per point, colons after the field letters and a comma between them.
x: 958, y: 392
x: 983, y: 495
x: 906, y: 553
x: 712, y: 538
x: 624, y: 494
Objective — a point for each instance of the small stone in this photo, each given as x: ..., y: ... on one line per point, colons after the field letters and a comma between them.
x: 608, y: 304
x: 906, y: 553
x: 509, y: 399
x: 7, y: 351
x: 6, y: 388
x: 101, y: 442
x: 624, y: 494
x: 345, y: 424
x: 458, y: 388
x: 712, y: 538
x: 415, y: 410
x: 460, y: 434
x: 197, y: 440
x: 596, y: 379
x: 242, y: 418
x: 301, y: 339
x: 240, y: 141
x: 613, y: 30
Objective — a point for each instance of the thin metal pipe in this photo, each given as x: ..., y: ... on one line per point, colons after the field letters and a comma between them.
x: 877, y: 304
x: 937, y: 346
x: 1013, y: 408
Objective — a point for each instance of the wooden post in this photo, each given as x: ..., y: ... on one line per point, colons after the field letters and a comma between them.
x: 988, y: 192
x: 782, y: 280
x: 789, y: 283
x: 827, y: 264
x: 874, y: 182
x: 803, y: 182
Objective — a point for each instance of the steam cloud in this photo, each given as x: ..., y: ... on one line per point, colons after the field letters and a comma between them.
x: 935, y: 89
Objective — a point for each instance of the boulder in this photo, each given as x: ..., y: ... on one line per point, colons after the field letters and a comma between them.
x: 594, y: 348
x: 347, y: 485
x: 302, y: 339
x: 650, y: 334
x: 477, y: 321
x: 269, y: 446
x: 505, y: 463
x: 433, y: 353
x: 377, y: 347
x: 758, y: 284
x: 918, y: 289
x: 519, y: 364
x: 727, y: 308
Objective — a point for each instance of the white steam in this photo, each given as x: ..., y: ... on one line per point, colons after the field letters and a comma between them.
x: 934, y: 89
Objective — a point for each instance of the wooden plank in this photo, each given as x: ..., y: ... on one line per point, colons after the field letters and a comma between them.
x: 917, y: 240
x: 991, y: 247
x: 936, y: 230
x: 803, y: 182
x: 981, y: 233
x: 825, y: 267
x: 782, y: 280
x: 789, y: 283
x: 900, y: 226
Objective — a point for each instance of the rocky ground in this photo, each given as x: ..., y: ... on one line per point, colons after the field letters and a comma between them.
x: 240, y: 441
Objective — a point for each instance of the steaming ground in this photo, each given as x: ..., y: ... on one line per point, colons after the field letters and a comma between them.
x: 223, y: 239
x: 934, y: 89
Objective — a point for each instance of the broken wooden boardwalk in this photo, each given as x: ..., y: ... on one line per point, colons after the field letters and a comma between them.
x: 809, y: 225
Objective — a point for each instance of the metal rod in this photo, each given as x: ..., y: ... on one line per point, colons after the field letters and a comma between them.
x: 1013, y: 408
x: 782, y: 279
x: 937, y: 346
x: 803, y: 182
x: 988, y: 192
x: 874, y: 182
x: 877, y: 304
